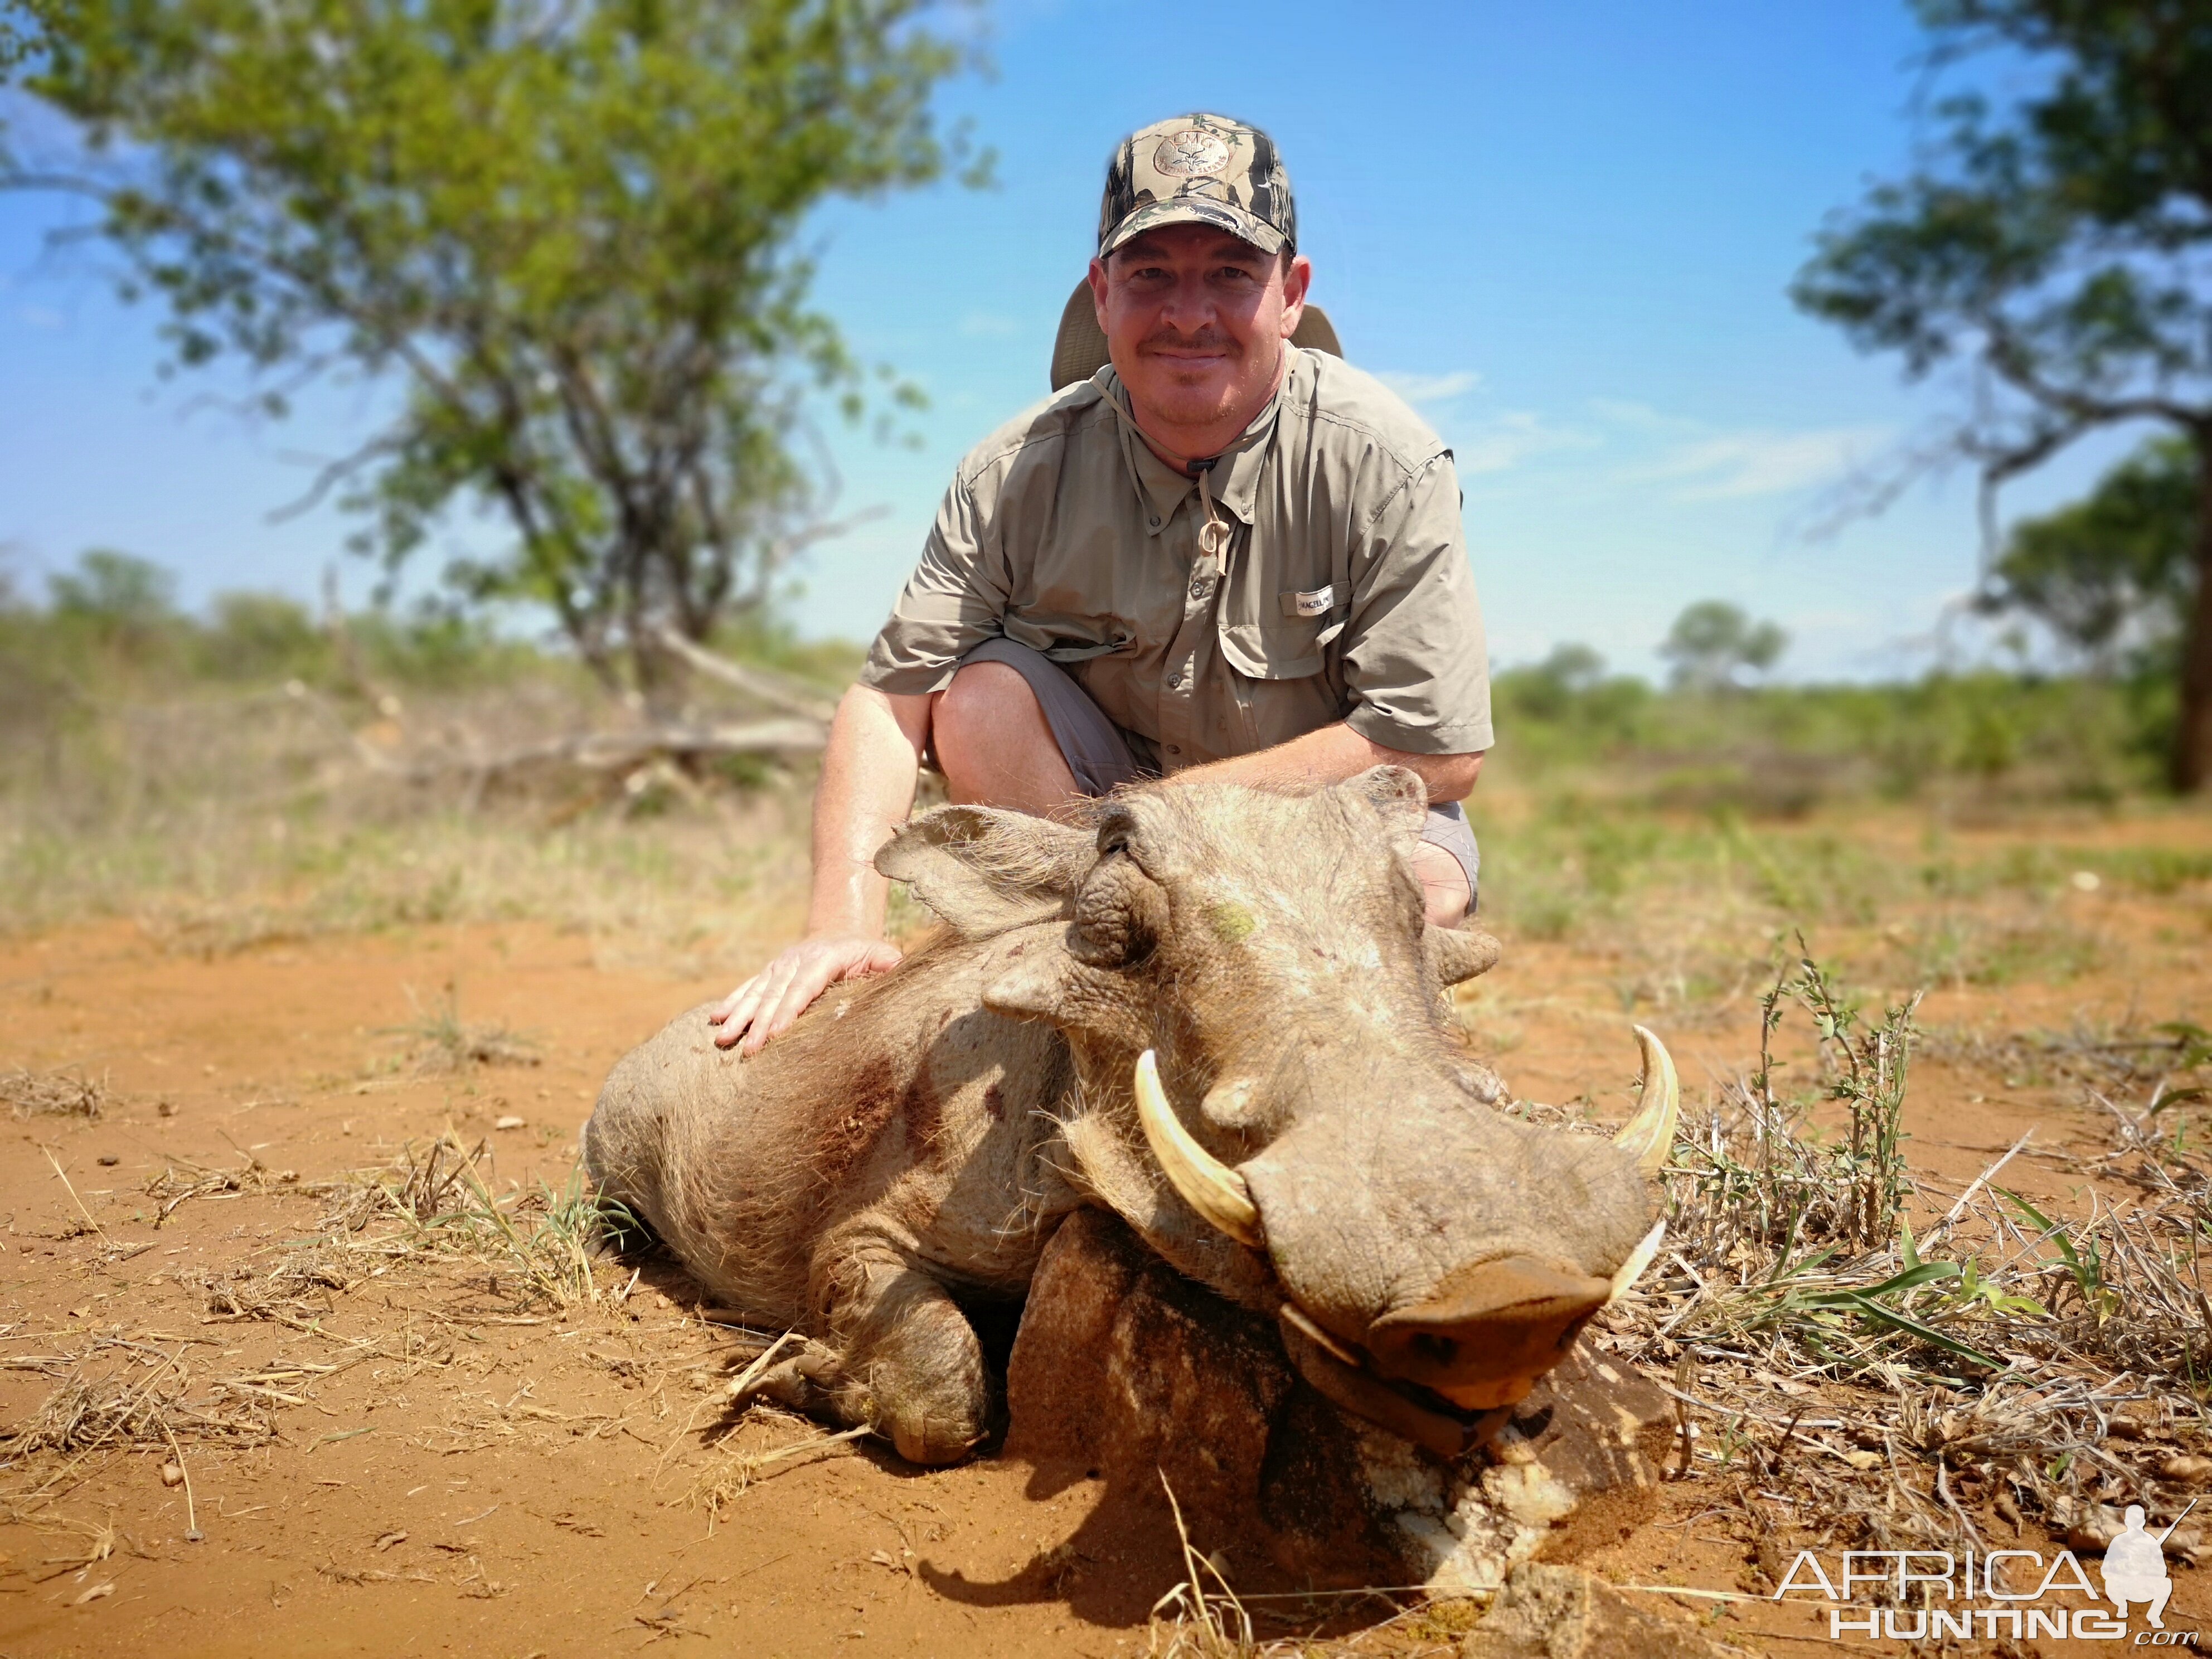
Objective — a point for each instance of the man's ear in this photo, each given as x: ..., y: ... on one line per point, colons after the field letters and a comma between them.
x: 1399, y: 796
x: 1298, y: 281
x: 984, y: 870
x: 1098, y: 280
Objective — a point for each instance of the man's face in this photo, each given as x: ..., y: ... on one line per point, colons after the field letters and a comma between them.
x: 1194, y: 320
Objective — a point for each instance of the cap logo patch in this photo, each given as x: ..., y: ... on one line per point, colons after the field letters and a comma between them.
x: 1192, y: 153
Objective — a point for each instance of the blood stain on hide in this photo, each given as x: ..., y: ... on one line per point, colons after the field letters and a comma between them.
x: 846, y: 1138
x: 924, y: 1113
x: 995, y: 1102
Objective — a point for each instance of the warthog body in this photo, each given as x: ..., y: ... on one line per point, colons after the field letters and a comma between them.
x: 1319, y: 1149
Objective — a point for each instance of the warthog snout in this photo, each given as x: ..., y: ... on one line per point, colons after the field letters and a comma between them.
x: 1489, y: 1331
x: 1400, y: 1235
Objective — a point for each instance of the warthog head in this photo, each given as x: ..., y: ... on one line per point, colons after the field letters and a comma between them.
x: 1268, y: 1085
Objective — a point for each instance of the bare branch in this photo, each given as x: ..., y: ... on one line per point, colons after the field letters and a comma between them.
x: 768, y: 688
x: 329, y: 476
x: 601, y: 751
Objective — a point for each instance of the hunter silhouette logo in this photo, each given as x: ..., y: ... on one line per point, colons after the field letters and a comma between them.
x: 2135, y: 1566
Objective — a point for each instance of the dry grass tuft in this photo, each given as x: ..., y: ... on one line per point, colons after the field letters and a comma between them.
x: 140, y: 1402
x: 295, y: 1292
x: 443, y: 1042
x: 2170, y: 1064
x: 1202, y: 1624
x: 729, y: 1473
x: 1883, y: 1391
x: 181, y: 1181
x: 52, y: 1093
x: 541, y: 1244
x: 765, y: 1391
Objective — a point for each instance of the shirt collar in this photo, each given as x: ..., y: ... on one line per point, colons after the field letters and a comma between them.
x: 1236, y: 481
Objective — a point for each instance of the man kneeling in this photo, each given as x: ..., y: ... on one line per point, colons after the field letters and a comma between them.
x: 1223, y: 554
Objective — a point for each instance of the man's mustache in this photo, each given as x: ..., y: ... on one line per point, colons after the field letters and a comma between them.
x: 1208, y: 339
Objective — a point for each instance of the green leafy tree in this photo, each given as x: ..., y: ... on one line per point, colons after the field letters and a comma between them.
x: 117, y: 595
x: 1552, y: 689
x: 2115, y: 571
x: 1713, y: 644
x: 15, y: 34
x: 2057, y: 252
x: 568, y: 229
x: 18, y: 34
x: 1573, y: 666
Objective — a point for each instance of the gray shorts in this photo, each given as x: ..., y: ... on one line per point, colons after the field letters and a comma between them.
x: 1100, y: 754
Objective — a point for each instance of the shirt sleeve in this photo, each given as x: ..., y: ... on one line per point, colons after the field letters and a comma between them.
x: 1414, y: 658
x: 954, y: 601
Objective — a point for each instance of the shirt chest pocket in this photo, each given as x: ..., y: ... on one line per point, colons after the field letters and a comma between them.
x: 1290, y: 644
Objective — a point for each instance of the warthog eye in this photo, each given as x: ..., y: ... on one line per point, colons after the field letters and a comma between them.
x: 1119, y: 914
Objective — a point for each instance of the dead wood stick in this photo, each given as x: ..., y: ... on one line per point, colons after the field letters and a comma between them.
x: 614, y: 751
x: 74, y: 1199
x: 739, y: 1388
x: 1966, y: 1197
x: 192, y: 1533
x: 753, y: 682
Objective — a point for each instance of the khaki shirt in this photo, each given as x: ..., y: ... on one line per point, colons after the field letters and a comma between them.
x: 1344, y: 594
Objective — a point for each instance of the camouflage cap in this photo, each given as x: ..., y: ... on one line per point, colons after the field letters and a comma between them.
x: 1199, y: 169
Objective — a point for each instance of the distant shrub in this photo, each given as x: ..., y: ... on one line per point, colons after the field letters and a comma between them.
x: 1779, y: 751
x: 262, y: 636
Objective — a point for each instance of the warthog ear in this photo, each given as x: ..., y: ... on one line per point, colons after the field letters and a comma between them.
x: 984, y: 870
x: 1399, y: 795
x: 1456, y: 955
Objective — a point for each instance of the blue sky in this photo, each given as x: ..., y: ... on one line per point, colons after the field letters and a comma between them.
x: 1563, y: 232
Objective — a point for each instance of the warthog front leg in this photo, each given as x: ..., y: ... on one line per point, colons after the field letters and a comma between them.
x: 913, y: 1368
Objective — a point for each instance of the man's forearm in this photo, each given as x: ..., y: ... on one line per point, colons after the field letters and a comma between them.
x: 1335, y: 753
x: 869, y: 771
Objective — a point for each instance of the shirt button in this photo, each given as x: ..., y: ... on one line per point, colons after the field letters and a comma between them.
x: 1154, y: 521
x: 1175, y: 682
x: 1172, y: 749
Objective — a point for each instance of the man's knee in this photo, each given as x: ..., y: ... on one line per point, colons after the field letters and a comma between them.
x: 982, y: 699
x: 993, y: 744
x: 1445, y: 894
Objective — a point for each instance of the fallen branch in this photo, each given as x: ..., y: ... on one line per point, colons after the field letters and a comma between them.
x: 753, y: 682
x: 614, y: 752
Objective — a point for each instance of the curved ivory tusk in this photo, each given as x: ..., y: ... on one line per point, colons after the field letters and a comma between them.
x: 1650, y: 1135
x: 1638, y: 1259
x: 1206, y: 1183
x: 1293, y: 1314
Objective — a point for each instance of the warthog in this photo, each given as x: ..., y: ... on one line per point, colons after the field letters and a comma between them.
x: 1215, y: 1011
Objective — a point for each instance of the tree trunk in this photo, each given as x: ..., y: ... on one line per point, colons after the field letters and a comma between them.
x: 2192, y: 737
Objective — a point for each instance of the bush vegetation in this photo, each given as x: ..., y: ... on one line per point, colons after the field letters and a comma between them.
x: 262, y: 771
x: 1774, y: 750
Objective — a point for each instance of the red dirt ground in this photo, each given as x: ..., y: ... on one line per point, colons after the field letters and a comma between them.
x: 517, y: 1484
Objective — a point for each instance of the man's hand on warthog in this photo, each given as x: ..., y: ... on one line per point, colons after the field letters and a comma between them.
x: 765, y: 1005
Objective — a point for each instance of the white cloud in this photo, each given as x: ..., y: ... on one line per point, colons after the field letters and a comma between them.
x: 1709, y: 463
x: 1622, y: 411
x: 1431, y: 388
x: 986, y: 324
x: 1504, y: 441
x: 1731, y: 465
